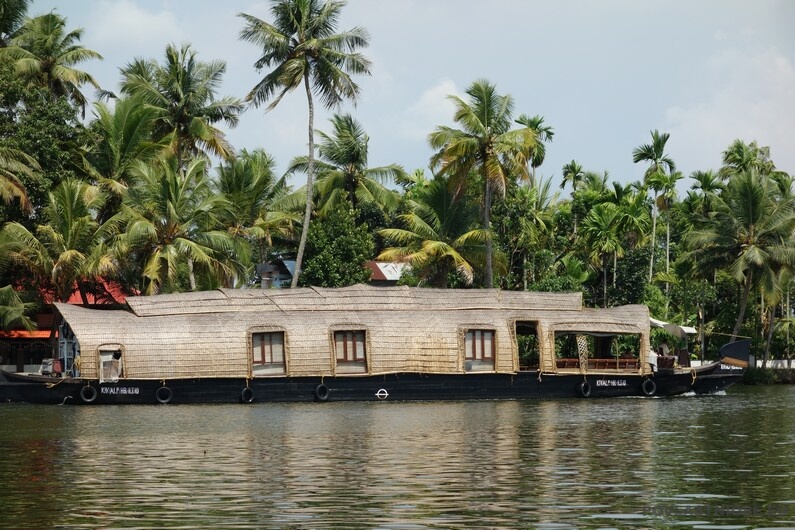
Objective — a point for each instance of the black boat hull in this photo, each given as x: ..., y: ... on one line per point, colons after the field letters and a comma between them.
x: 402, y: 387
x: 717, y: 381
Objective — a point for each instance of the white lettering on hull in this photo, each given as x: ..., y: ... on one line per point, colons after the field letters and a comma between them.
x: 122, y: 390
x: 611, y: 382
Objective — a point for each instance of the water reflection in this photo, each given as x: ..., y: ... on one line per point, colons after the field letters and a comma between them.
x: 628, y: 463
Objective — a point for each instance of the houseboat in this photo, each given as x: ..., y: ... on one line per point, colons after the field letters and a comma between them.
x: 353, y: 343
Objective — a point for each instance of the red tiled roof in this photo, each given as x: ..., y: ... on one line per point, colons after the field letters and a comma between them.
x: 114, y: 294
x: 24, y: 334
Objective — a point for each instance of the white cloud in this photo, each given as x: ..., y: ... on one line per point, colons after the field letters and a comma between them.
x: 124, y: 25
x: 431, y: 109
x: 752, y: 98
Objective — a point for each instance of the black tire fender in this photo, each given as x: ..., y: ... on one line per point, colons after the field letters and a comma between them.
x: 321, y: 392
x: 163, y: 395
x: 247, y: 395
x: 584, y: 389
x: 649, y: 387
x: 88, y: 394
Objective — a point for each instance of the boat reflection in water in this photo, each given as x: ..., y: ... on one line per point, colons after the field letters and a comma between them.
x: 563, y: 463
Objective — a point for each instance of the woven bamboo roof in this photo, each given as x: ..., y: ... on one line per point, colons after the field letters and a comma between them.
x: 354, y: 298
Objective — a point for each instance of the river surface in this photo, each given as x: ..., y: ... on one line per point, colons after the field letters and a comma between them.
x: 725, y: 461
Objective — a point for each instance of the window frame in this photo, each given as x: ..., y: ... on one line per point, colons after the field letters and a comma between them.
x: 259, y: 367
x: 112, y: 349
x: 487, y: 362
x: 354, y: 360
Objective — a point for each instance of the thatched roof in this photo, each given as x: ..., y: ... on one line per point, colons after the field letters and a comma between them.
x: 354, y: 298
x: 208, y: 334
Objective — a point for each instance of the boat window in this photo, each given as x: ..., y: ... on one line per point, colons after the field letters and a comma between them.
x: 268, y: 353
x: 527, y: 345
x: 350, y: 351
x: 597, y: 351
x: 479, y: 348
x: 111, y: 366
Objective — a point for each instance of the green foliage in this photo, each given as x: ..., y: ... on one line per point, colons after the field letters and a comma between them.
x: 182, y: 93
x: 654, y: 298
x: 557, y: 284
x: 49, y: 132
x: 13, y: 310
x: 760, y: 376
x: 343, y: 174
x: 436, y: 237
x: 485, y: 145
x: 336, y: 251
x: 632, y: 273
x: 375, y: 219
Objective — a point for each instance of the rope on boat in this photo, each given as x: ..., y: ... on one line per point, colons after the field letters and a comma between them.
x: 53, y: 385
x: 693, y: 373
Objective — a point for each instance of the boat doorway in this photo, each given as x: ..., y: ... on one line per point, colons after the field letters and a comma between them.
x: 527, y: 344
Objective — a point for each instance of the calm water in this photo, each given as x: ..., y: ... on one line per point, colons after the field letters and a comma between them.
x: 711, y: 462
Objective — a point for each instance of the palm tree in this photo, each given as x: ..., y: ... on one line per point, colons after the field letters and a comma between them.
x: 13, y: 310
x: 484, y: 146
x: 12, y: 16
x: 170, y: 219
x: 660, y: 164
x: 707, y: 186
x: 544, y: 133
x: 739, y: 157
x: 182, y: 93
x: 749, y: 231
x: 67, y: 252
x: 250, y: 186
x: 302, y: 46
x: 572, y: 172
x: 122, y: 139
x: 665, y: 184
x: 599, y: 230
x: 45, y: 55
x: 342, y: 172
x: 436, y: 239
x: 13, y: 163
x: 633, y: 218
x: 574, y: 270
x: 537, y: 205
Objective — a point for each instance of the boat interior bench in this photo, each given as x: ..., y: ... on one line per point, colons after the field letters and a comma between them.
x: 600, y: 364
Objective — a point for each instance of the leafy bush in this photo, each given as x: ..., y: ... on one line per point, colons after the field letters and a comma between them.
x: 760, y: 376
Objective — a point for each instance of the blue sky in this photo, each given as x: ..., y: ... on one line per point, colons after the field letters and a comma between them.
x: 602, y: 73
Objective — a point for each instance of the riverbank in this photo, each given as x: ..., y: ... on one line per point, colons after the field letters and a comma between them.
x: 768, y: 376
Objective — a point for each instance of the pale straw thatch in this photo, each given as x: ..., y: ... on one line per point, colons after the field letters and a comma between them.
x: 208, y: 334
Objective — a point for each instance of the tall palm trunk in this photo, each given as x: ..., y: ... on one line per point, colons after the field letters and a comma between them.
x: 653, y: 237
x: 667, y: 261
x: 770, y: 321
x: 604, y: 280
x: 787, y: 314
x: 191, y: 275
x: 310, y: 171
x: 667, y: 250
x: 487, y: 228
x: 743, y: 304
x: 702, y: 336
x: 615, y: 268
